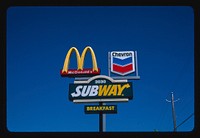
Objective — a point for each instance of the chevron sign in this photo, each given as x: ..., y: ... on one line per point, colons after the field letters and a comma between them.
x: 122, y: 62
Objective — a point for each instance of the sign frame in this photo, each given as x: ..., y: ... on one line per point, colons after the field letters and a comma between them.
x: 125, y: 61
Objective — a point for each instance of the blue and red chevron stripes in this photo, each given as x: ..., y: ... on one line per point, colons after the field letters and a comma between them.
x: 123, y: 69
x: 122, y: 62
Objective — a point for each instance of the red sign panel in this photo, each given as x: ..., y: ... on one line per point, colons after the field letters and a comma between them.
x: 79, y: 73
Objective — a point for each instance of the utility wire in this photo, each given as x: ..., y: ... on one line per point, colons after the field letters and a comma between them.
x: 185, y: 120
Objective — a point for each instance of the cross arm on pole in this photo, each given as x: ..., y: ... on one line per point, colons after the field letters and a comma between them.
x: 168, y: 101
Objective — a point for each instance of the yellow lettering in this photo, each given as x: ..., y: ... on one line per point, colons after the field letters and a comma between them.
x: 120, y: 89
x: 103, y: 90
x: 107, y: 107
x: 113, y: 90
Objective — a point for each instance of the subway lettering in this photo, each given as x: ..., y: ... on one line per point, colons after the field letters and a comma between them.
x: 100, y: 90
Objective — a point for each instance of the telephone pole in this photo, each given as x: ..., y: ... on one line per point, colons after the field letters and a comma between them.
x: 173, y: 110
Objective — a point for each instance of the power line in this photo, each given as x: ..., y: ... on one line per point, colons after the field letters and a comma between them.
x: 185, y: 120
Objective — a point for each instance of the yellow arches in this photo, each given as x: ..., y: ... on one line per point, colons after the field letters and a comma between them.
x: 80, y: 59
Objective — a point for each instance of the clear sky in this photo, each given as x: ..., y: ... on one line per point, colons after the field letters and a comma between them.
x: 38, y: 39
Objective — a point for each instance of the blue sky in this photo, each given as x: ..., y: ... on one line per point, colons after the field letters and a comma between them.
x: 38, y: 39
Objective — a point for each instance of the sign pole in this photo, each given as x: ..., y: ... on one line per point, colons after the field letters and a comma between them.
x: 100, y: 119
x: 101, y: 115
x: 104, y: 120
x: 92, y: 76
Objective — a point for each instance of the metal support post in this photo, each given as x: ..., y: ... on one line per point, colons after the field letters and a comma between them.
x: 104, y: 120
x: 100, y: 119
x: 136, y: 63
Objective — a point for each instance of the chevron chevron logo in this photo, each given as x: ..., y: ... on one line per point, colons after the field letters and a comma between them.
x: 122, y: 62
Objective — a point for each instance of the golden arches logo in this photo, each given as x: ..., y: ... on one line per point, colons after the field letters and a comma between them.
x: 80, y: 63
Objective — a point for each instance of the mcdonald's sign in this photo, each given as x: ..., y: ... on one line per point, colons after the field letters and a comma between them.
x: 65, y: 72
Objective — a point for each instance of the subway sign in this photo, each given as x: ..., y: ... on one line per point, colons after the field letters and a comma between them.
x: 96, y: 109
x: 100, y: 87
